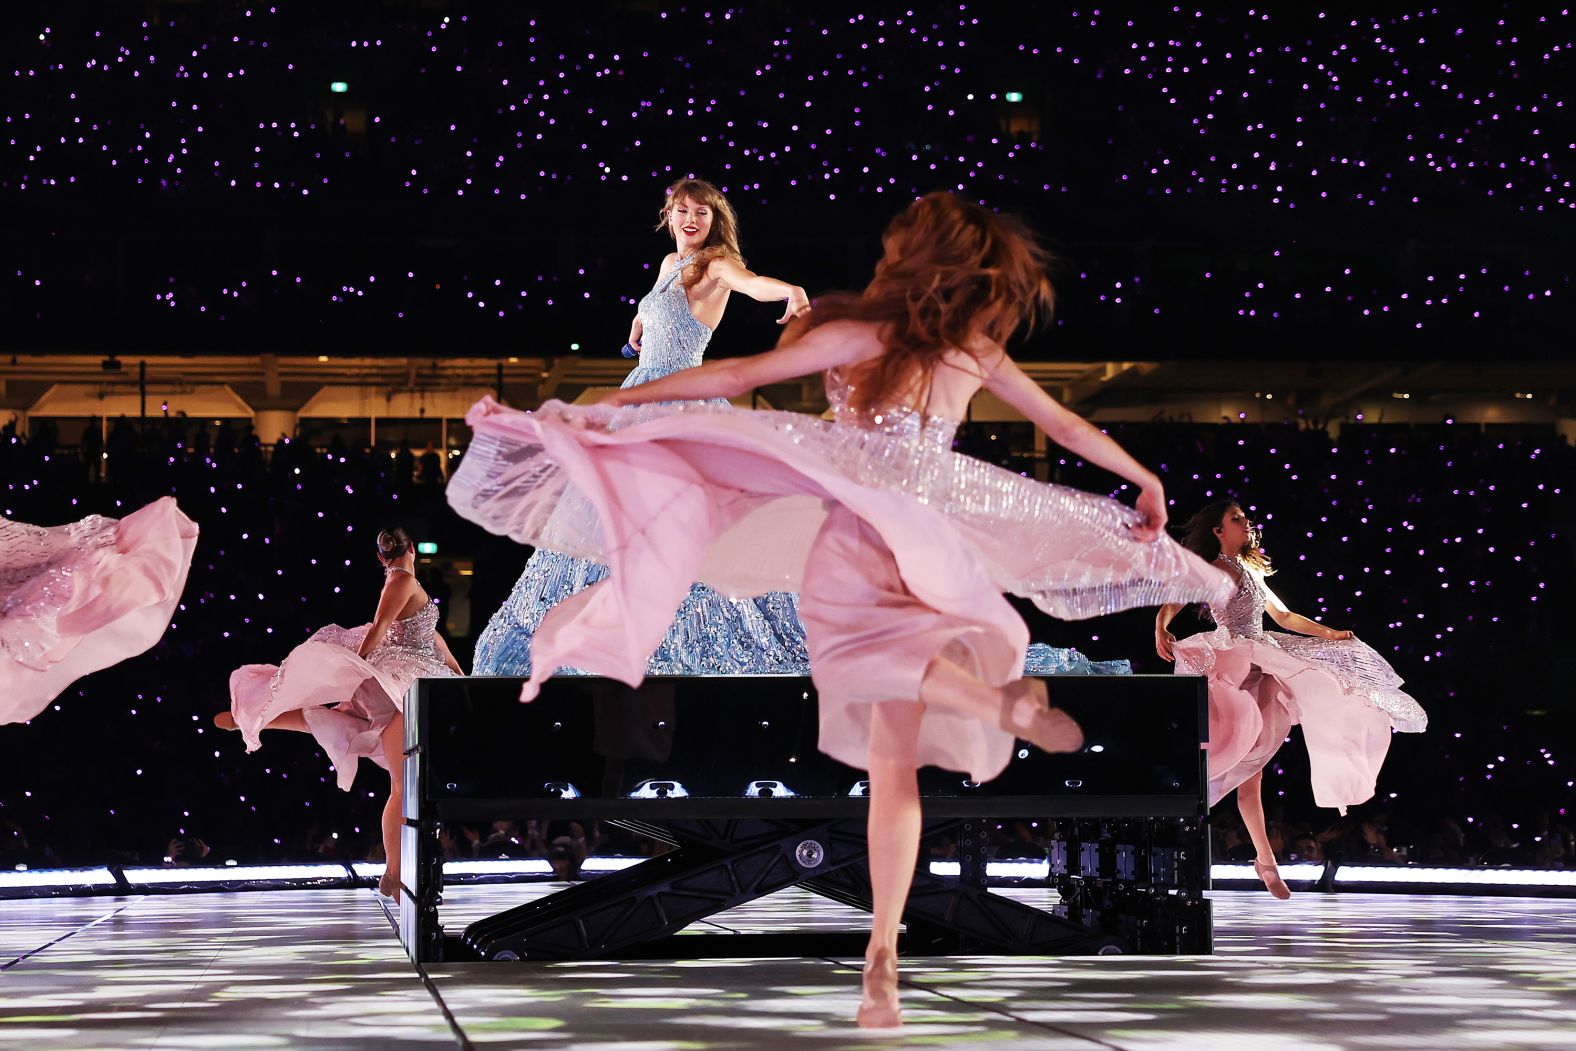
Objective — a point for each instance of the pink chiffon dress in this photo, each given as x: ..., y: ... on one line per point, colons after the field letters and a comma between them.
x: 899, y: 547
x: 1262, y: 683
x: 346, y: 700
x: 77, y: 598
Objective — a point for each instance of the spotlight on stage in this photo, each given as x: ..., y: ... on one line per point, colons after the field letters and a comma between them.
x: 769, y: 790
x: 659, y: 790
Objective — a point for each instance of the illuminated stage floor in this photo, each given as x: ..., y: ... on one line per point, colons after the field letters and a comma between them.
x: 323, y: 969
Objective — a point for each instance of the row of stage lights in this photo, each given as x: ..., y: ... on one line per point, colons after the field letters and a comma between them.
x: 26, y: 883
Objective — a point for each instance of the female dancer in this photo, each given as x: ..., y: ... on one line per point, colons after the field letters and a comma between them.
x: 1262, y: 682
x: 673, y: 324
x: 80, y: 597
x: 900, y: 547
x: 346, y: 687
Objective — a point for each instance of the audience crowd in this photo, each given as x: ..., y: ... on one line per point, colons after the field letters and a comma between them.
x: 1446, y: 547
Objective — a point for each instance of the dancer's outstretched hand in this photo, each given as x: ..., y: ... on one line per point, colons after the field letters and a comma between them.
x: 798, y: 303
x: 1152, y: 505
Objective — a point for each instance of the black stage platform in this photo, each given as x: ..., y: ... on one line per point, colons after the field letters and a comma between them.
x: 725, y: 771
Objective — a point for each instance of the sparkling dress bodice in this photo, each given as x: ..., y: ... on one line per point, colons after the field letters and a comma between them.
x: 671, y: 338
x: 922, y: 431
x: 1243, y: 615
x: 414, y: 634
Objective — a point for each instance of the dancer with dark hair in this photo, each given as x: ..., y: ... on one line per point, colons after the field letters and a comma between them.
x: 900, y: 547
x: 77, y: 598
x: 1261, y: 683
x: 346, y: 686
x: 674, y: 323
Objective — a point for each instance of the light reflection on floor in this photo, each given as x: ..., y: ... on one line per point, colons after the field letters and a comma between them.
x: 322, y: 968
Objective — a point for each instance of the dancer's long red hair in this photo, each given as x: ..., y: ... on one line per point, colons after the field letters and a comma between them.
x: 951, y: 270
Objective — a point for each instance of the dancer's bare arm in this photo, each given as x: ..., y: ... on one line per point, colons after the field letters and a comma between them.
x: 447, y: 657
x: 1072, y: 432
x: 397, y: 590
x: 759, y: 287
x: 1302, y: 625
x: 1164, y: 640
x: 837, y: 343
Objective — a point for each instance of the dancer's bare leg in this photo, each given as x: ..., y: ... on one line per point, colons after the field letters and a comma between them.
x: 393, y: 739
x: 893, y: 837
x: 288, y: 721
x: 1021, y: 707
x: 1250, y: 804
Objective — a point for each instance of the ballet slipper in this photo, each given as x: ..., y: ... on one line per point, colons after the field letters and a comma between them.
x: 225, y: 721
x: 1271, y: 876
x: 879, y: 1008
x: 1026, y: 712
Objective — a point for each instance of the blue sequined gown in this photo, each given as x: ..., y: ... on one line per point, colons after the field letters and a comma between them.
x: 711, y: 634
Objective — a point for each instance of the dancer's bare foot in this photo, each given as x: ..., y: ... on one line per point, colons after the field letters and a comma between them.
x: 224, y: 721
x: 1272, y: 880
x: 388, y: 883
x: 879, y: 1008
x: 1026, y: 712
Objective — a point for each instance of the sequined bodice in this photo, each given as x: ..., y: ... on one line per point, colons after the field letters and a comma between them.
x: 415, y: 631
x: 671, y: 337
x: 1243, y: 615
x: 926, y: 431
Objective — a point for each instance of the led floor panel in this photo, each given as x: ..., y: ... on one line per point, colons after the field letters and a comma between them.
x: 322, y: 969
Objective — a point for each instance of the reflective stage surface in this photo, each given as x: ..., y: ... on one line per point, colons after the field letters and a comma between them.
x: 323, y: 969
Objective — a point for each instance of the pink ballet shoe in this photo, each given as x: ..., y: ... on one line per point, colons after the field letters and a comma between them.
x: 1026, y: 712
x: 225, y: 721
x: 1272, y: 880
x: 879, y: 1009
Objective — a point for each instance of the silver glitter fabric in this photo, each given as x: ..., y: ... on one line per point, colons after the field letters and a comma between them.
x: 38, y: 568
x: 711, y: 634
x: 1352, y: 662
x: 1069, y: 552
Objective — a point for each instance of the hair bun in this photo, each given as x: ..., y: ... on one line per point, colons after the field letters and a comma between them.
x: 393, y: 543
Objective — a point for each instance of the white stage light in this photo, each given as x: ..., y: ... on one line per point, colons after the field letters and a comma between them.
x: 1294, y: 871
x: 57, y: 878
x: 1480, y: 877
x: 497, y: 867
x: 232, y: 874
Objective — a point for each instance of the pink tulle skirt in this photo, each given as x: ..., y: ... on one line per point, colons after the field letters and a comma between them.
x: 1259, y: 690
x: 899, y: 549
x: 346, y: 700
x: 77, y: 598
